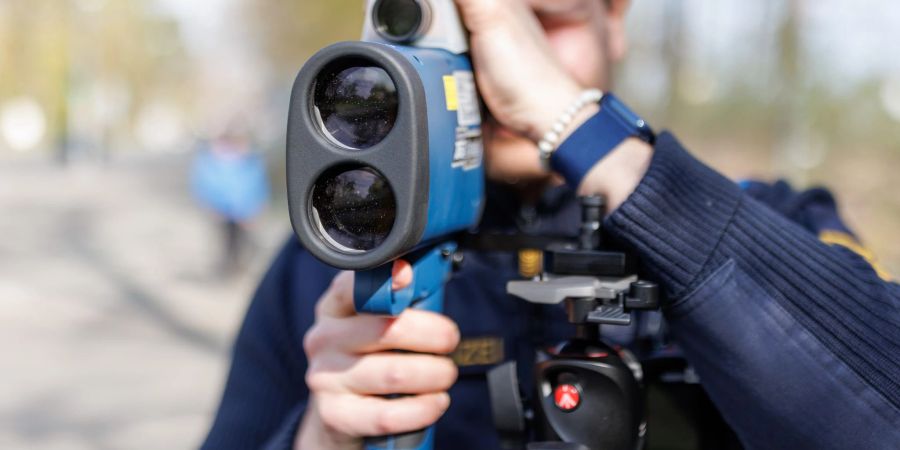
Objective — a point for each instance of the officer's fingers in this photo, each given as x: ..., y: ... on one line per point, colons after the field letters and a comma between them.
x: 337, y: 301
x: 401, y: 274
x: 374, y: 416
x: 415, y: 331
x: 481, y: 14
x: 387, y: 373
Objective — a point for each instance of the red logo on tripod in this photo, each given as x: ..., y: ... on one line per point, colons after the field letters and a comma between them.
x: 566, y: 397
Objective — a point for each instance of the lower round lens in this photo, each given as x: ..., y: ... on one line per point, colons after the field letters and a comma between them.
x: 398, y: 20
x: 356, y: 102
x: 354, y: 208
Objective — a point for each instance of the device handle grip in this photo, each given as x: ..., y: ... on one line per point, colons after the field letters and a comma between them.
x: 416, y: 440
x: 373, y: 294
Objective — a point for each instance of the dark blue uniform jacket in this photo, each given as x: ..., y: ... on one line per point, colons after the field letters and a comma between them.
x: 796, y: 340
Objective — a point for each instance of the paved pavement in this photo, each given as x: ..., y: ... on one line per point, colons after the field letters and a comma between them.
x: 114, y: 326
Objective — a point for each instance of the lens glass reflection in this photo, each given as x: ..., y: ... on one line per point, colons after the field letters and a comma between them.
x: 354, y: 208
x: 398, y: 19
x: 357, y: 104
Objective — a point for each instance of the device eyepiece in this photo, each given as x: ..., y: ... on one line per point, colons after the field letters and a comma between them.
x: 401, y: 21
x: 353, y: 207
x: 355, y: 102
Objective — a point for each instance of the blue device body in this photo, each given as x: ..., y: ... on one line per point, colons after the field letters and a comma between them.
x: 456, y: 171
x: 455, y: 202
x: 456, y: 183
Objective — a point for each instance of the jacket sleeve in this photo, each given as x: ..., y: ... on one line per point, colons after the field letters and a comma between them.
x: 795, y: 340
x: 265, y: 394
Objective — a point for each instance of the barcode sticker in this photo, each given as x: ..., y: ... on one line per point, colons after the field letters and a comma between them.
x: 467, y: 153
x: 468, y: 111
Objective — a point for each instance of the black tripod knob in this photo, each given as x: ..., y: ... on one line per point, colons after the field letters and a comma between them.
x: 642, y: 295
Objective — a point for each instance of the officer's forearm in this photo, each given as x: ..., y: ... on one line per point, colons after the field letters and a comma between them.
x: 617, y: 175
x: 792, y: 338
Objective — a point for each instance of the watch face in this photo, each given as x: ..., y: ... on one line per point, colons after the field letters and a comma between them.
x: 632, y: 120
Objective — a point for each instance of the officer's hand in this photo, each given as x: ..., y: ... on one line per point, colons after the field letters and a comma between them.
x: 351, y: 366
x: 532, y: 59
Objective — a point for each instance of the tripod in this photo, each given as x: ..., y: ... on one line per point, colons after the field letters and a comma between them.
x: 588, y: 394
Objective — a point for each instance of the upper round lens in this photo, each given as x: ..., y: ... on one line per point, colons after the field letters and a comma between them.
x: 354, y: 208
x: 357, y: 104
x: 398, y: 19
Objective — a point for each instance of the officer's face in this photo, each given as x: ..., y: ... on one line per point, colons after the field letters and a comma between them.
x: 588, y: 37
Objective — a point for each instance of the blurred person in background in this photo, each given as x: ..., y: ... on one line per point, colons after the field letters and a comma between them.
x: 229, y: 178
x: 794, y: 339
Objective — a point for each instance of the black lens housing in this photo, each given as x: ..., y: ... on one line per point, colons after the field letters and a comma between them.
x: 355, y: 102
x: 353, y: 208
x: 401, y: 157
x: 401, y: 21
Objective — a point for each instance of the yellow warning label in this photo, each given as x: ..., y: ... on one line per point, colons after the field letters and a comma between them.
x: 450, y: 92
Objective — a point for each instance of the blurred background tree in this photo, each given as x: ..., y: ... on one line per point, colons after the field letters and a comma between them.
x: 91, y: 65
x: 780, y: 88
x: 291, y: 31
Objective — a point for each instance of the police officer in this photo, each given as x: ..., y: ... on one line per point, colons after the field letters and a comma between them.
x: 796, y: 340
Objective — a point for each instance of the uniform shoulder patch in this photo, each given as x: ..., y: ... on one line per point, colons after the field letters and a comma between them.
x: 846, y: 240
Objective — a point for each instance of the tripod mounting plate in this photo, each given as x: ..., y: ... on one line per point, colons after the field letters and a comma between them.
x: 556, y: 290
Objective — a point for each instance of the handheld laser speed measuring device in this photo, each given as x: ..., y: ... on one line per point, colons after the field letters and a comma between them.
x: 384, y: 158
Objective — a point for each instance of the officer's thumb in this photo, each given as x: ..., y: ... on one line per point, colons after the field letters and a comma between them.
x: 337, y: 301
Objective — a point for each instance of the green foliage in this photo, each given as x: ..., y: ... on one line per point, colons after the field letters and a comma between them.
x: 291, y: 31
x: 51, y: 49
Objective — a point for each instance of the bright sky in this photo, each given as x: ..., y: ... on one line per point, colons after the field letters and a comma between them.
x: 856, y: 38
x: 845, y: 40
x: 228, y: 59
x: 205, y: 23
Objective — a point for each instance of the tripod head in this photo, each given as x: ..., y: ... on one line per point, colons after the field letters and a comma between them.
x: 587, y: 393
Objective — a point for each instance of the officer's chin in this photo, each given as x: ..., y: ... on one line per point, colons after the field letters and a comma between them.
x: 512, y: 159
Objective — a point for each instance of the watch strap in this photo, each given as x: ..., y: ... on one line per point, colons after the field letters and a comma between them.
x: 595, y: 138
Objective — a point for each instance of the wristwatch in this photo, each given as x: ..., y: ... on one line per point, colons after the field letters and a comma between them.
x: 598, y: 136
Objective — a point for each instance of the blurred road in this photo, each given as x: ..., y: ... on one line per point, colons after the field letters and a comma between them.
x: 114, y: 326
